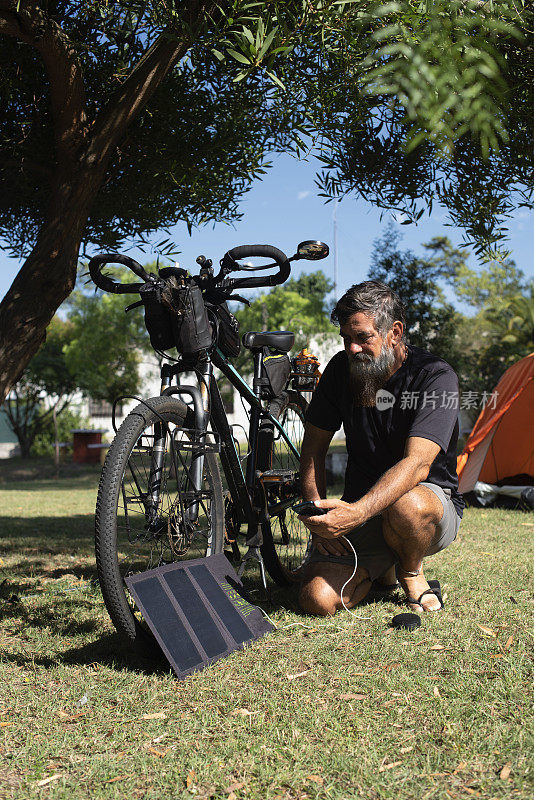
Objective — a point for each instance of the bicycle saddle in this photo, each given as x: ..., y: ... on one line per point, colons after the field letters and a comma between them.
x: 278, y: 340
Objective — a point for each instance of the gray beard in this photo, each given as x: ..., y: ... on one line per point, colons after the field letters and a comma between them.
x: 367, y: 375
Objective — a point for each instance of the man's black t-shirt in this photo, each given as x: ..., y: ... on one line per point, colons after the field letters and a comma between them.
x: 420, y: 399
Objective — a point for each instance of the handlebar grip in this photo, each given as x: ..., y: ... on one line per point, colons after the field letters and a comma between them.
x: 265, y: 251
x: 108, y: 284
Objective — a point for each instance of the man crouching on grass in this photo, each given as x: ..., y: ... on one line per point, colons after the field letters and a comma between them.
x: 399, y: 408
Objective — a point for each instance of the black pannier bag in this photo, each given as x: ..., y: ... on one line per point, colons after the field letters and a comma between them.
x: 228, y: 339
x: 158, y: 320
x: 276, y: 369
x: 175, y: 316
x: 193, y: 329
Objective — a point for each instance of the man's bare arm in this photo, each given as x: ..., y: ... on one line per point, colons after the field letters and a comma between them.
x: 312, y: 462
x: 313, y: 480
x: 397, y: 481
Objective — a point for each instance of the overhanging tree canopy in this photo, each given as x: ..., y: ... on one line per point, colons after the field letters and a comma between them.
x: 125, y: 117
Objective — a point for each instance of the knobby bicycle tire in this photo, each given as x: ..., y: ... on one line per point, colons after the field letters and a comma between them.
x: 285, y: 539
x: 124, y: 541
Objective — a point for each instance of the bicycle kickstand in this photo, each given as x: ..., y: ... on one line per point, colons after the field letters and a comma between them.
x: 253, y: 554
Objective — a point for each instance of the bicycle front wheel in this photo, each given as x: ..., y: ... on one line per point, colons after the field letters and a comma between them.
x: 144, y: 516
x: 285, y: 539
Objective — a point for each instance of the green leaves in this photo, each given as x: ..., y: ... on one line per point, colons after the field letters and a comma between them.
x: 443, y: 68
x: 406, y: 103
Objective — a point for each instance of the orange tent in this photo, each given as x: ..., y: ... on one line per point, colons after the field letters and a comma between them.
x: 501, y: 444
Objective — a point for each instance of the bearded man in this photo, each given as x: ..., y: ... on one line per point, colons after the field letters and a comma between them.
x: 398, y: 405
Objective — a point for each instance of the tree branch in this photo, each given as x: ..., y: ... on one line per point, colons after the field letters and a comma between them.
x: 131, y: 97
x: 29, y: 23
x: 10, y: 23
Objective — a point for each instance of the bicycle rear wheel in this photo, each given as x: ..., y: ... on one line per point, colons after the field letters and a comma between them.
x: 139, y: 525
x: 285, y: 538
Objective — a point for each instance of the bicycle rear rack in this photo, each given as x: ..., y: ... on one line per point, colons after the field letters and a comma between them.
x: 198, y: 441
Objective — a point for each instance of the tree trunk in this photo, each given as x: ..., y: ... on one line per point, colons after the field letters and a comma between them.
x: 82, y: 154
x: 46, y: 278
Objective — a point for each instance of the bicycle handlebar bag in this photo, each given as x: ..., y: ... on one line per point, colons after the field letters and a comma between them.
x: 191, y: 325
x: 158, y: 321
x: 228, y: 339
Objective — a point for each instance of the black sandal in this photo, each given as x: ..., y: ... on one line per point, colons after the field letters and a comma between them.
x: 435, y: 592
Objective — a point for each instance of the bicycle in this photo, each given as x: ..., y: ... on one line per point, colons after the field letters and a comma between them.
x: 161, y: 496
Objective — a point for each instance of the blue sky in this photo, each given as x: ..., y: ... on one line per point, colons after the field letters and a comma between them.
x: 284, y: 209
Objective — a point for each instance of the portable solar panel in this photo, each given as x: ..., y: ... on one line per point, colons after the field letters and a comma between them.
x: 197, y: 611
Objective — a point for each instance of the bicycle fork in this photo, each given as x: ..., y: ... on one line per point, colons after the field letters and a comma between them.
x: 200, y: 398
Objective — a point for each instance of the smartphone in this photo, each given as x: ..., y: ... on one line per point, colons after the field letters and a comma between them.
x: 308, y: 509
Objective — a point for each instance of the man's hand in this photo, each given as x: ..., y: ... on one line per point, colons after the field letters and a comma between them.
x: 342, y: 517
x: 331, y: 547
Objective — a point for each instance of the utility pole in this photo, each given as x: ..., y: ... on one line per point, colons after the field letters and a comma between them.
x: 334, y: 219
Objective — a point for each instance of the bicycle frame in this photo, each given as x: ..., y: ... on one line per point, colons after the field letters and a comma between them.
x: 208, y: 406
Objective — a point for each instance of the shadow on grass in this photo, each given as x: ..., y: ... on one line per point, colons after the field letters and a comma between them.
x: 44, y: 536
x: 26, y: 471
x: 109, y: 650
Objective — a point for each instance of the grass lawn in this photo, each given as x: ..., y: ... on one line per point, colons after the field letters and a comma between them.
x: 336, y: 708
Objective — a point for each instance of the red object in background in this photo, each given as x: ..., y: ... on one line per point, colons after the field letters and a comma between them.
x: 81, y: 452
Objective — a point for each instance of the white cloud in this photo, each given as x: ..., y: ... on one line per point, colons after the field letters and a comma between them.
x: 302, y: 195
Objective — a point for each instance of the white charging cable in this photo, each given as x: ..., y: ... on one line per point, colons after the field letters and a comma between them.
x: 352, y: 613
x: 356, y: 616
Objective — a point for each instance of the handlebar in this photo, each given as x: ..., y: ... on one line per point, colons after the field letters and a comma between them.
x: 108, y: 284
x: 229, y: 264
x: 221, y: 283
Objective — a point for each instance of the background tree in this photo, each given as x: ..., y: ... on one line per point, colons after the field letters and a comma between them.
x: 123, y: 117
x: 500, y: 329
x: 45, y: 389
x: 300, y: 305
x: 453, y: 91
x: 106, y: 345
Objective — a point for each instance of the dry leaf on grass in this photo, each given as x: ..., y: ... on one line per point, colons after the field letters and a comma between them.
x: 437, y: 647
x: 5, y: 724
x: 191, y: 778
x: 232, y: 796
x: 158, y: 753
x: 316, y: 779
x: 488, y: 631
x: 297, y: 675
x: 234, y: 787
x: 436, y: 692
x: 118, y: 778
x: 244, y: 712
x: 528, y: 524
x: 352, y: 696
x: 461, y: 766
x: 384, y: 767
x: 504, y: 774
x: 155, y: 715
x: 70, y: 717
x: 509, y: 642
x: 404, y: 750
x: 46, y: 781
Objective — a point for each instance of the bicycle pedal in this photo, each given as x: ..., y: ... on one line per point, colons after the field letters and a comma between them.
x: 277, y: 476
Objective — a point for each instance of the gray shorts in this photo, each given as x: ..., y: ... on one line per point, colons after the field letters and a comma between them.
x: 371, y: 548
